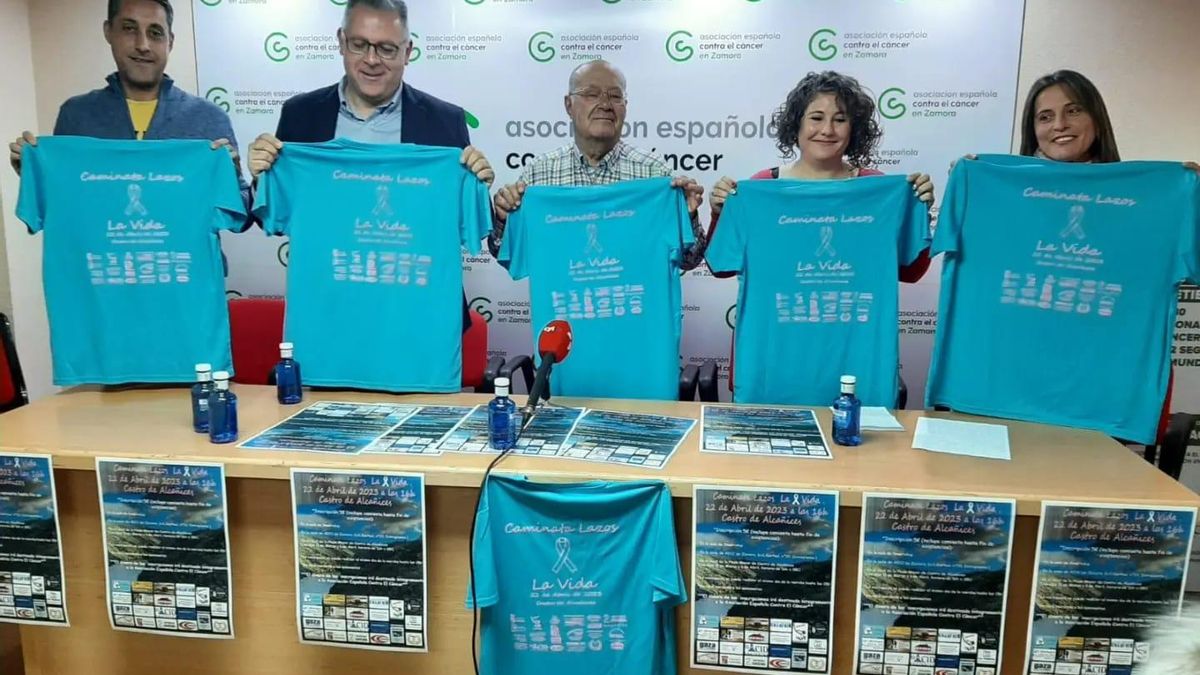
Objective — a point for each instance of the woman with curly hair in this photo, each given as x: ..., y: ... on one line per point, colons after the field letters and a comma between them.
x: 828, y: 124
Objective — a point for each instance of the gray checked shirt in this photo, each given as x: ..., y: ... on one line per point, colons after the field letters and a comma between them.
x: 568, y: 166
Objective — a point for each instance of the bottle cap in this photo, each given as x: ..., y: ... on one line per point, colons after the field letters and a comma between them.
x: 221, y: 375
x: 849, y: 379
x: 286, y: 345
x: 203, y: 367
x: 502, y: 384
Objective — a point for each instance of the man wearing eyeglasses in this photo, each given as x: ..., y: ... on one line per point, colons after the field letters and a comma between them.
x: 596, y: 104
x: 372, y: 103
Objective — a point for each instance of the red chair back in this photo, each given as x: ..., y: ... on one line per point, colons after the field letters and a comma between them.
x: 255, y: 329
x: 475, y: 351
x: 12, y: 381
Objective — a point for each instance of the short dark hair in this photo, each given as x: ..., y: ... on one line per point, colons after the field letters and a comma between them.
x: 114, y: 6
x: 1082, y: 91
x: 865, y: 132
x: 397, y: 6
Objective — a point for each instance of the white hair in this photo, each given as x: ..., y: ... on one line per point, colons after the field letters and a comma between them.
x: 594, y: 62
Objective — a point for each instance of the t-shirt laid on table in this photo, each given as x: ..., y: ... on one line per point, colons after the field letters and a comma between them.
x: 817, y: 297
x: 131, y: 257
x: 1059, y: 290
x: 375, y: 262
x: 607, y: 260
x: 581, y: 578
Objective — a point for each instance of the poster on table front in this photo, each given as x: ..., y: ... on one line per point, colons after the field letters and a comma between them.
x: 763, y: 570
x: 166, y: 547
x: 360, y: 559
x: 1105, y: 574
x: 32, y: 587
x: 933, y: 583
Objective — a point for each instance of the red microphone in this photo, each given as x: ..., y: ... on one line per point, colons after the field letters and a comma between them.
x: 554, y: 344
x: 556, y: 340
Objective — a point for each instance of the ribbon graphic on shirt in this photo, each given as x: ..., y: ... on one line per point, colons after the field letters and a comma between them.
x: 593, y: 245
x: 135, y: 207
x: 563, y: 546
x: 1074, y: 226
x: 383, y: 198
x: 826, y: 247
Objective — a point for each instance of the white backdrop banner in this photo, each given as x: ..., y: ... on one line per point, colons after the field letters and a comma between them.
x: 704, y: 77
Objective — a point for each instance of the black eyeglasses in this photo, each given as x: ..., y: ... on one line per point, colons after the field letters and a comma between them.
x: 388, y: 51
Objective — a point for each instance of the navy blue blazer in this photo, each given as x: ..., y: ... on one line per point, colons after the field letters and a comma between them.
x: 425, y: 120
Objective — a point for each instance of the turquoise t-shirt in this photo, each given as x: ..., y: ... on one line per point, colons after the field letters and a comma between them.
x: 817, y: 296
x: 131, y: 260
x: 577, y: 578
x: 1059, y: 288
x: 375, y: 263
x: 606, y: 259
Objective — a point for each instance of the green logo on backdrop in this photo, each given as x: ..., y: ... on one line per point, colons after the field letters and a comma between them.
x: 473, y: 2
x: 216, y: 96
x: 483, y: 306
x: 339, y: 3
x: 611, y: 2
x: 540, y: 49
x: 210, y: 3
x: 416, y: 51
x: 678, y: 48
x: 819, y: 45
x: 891, y: 103
x: 472, y: 121
x: 284, y: 253
x: 276, y: 47
x: 731, y: 316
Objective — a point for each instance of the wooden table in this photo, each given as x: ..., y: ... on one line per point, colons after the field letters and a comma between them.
x: 1048, y: 463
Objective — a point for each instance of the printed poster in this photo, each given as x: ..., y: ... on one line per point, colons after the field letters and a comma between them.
x: 423, y: 431
x: 755, y: 430
x: 546, y: 435
x: 627, y: 438
x: 361, y: 559
x: 933, y: 582
x: 166, y: 547
x: 1104, y: 574
x: 32, y: 586
x: 763, y: 573
x: 332, y: 426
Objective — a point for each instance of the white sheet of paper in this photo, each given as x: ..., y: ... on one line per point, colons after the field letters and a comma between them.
x: 877, y: 418
x: 972, y: 439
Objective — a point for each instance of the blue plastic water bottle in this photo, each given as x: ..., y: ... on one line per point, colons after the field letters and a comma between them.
x: 287, y: 376
x: 222, y: 410
x: 503, y: 419
x: 847, y: 414
x: 200, y: 391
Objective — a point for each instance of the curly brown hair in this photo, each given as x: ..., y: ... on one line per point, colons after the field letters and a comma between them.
x: 865, y: 132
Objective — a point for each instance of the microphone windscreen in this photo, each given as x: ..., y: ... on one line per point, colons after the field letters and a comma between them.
x: 555, y: 339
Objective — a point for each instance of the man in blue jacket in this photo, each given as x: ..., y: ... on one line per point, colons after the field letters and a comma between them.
x: 140, y: 101
x: 372, y: 103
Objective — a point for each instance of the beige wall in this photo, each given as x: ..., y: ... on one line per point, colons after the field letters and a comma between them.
x: 24, y: 253
x: 75, y: 27
x: 1140, y: 53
